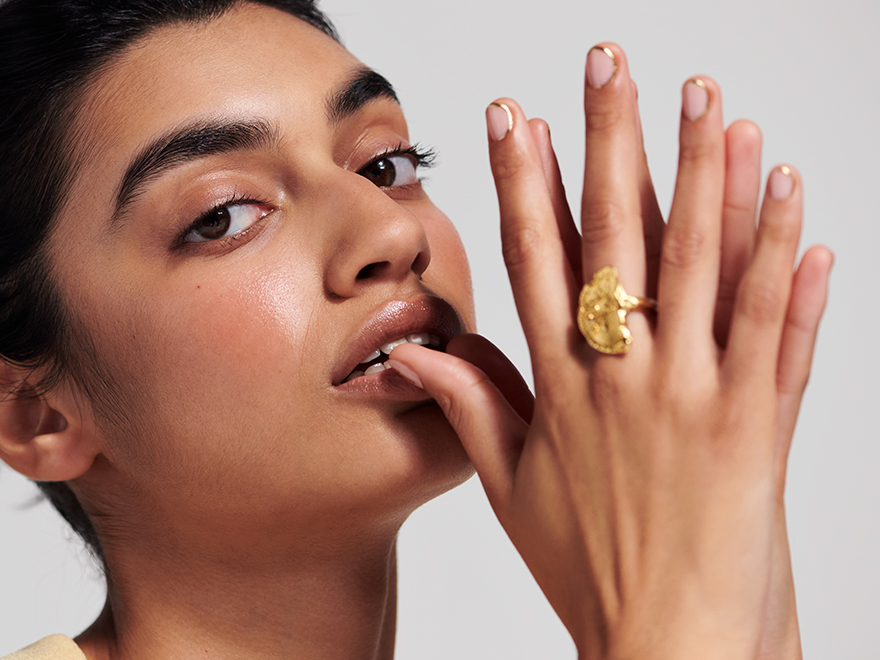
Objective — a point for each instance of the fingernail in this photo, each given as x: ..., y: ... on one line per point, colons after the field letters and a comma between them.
x: 499, y: 119
x: 781, y: 183
x: 601, y: 67
x: 694, y: 99
x: 406, y: 372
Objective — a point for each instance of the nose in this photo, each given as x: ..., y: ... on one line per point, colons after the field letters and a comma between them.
x: 373, y: 239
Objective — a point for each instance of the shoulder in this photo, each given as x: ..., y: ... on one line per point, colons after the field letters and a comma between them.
x: 55, y: 647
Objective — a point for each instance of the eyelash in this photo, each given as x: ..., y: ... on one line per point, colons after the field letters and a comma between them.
x: 232, y: 200
x: 425, y: 158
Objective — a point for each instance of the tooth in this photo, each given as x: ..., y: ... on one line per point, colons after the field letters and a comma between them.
x: 391, y: 345
x: 354, y: 374
x: 435, y: 340
x: 376, y: 368
x: 372, y: 356
x: 422, y: 338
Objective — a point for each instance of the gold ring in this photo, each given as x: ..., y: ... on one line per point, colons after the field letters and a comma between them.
x: 602, y: 310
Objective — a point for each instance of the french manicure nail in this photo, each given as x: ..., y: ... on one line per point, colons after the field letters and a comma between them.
x: 780, y: 183
x: 406, y: 372
x: 601, y: 67
x: 499, y: 120
x: 694, y: 99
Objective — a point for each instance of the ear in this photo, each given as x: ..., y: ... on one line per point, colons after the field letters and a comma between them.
x: 45, y: 437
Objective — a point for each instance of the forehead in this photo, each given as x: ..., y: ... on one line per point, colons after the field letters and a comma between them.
x: 253, y: 61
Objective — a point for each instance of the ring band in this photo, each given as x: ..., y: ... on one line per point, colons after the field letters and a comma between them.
x: 602, y: 309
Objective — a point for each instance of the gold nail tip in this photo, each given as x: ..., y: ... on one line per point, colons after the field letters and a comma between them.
x: 610, y: 54
x: 506, y: 108
x: 697, y: 81
x: 606, y: 50
x: 785, y: 169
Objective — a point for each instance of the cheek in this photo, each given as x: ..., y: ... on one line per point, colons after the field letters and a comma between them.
x: 198, y: 361
x: 449, y: 270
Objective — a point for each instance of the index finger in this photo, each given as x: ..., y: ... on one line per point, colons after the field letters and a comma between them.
x: 542, y: 282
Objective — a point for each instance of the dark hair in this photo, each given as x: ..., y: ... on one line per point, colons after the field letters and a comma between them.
x: 49, y: 49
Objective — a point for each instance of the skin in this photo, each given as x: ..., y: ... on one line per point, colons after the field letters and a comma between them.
x: 656, y: 479
x: 297, y: 484
x: 644, y: 493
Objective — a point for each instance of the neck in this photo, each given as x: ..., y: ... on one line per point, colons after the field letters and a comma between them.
x: 342, y: 606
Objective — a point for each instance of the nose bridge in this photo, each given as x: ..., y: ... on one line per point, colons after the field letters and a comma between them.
x: 372, y: 238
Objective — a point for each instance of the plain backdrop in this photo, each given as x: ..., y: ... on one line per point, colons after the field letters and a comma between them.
x: 807, y: 72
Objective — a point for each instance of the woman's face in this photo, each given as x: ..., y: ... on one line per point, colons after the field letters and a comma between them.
x: 271, y: 236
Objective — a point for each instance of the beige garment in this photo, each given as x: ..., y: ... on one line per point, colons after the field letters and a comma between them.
x: 55, y: 647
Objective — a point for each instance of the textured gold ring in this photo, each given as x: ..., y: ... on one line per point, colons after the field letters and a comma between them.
x: 602, y: 310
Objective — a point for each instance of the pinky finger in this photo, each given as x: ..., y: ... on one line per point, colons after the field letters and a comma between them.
x: 808, y: 297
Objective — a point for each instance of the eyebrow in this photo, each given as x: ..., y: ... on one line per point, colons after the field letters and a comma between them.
x: 210, y: 138
x: 363, y: 87
x: 186, y: 144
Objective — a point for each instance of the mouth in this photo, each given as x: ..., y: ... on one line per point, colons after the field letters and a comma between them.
x: 377, y: 360
x: 427, y: 320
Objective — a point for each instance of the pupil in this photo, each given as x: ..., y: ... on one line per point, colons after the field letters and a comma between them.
x: 382, y: 172
x: 216, y: 224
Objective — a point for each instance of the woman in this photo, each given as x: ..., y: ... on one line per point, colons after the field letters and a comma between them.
x: 239, y: 239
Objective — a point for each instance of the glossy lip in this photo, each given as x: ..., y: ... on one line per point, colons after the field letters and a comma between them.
x: 395, y: 319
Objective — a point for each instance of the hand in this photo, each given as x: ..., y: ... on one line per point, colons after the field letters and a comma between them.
x: 644, y: 491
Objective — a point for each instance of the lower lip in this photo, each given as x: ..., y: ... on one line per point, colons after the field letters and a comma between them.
x: 386, y: 384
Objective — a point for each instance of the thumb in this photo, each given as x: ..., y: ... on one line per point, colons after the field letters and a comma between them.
x: 490, y: 430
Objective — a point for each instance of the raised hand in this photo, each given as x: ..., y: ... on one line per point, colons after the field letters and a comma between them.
x: 644, y: 490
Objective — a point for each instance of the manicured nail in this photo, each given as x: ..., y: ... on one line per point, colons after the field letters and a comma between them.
x: 406, y: 372
x: 780, y: 183
x: 499, y: 119
x: 601, y: 67
x: 694, y: 99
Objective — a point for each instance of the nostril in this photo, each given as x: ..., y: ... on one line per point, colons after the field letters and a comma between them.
x: 371, y: 270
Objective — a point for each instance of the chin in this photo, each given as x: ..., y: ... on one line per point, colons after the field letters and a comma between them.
x: 434, y: 462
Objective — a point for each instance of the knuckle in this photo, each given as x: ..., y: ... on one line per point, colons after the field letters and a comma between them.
x: 510, y: 166
x: 739, y: 209
x: 781, y: 231
x: 698, y: 152
x: 456, y: 404
x: 760, y: 303
x: 793, y: 385
x: 602, y: 219
x: 603, y: 119
x: 521, y: 246
x: 683, y: 247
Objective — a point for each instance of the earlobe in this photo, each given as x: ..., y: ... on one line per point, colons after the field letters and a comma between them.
x: 44, y: 436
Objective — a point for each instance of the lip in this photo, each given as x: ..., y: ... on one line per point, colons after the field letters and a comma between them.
x: 396, y: 318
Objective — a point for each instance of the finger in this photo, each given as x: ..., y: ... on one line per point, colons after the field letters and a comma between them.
x: 571, y: 238
x: 808, y: 298
x: 691, y: 245
x: 742, y: 187
x: 611, y: 209
x: 543, y: 286
x: 487, y: 357
x: 762, y: 300
x: 652, y: 216
x: 491, y: 432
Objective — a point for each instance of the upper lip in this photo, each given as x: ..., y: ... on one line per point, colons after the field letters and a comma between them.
x: 395, y: 319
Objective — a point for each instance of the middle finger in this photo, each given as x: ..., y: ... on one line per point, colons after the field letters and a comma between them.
x: 611, y: 210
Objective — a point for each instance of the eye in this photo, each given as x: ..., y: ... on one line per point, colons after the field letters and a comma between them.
x: 391, y: 170
x: 398, y: 167
x: 225, y: 221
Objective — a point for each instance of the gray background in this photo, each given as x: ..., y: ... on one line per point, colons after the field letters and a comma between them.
x: 806, y: 71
